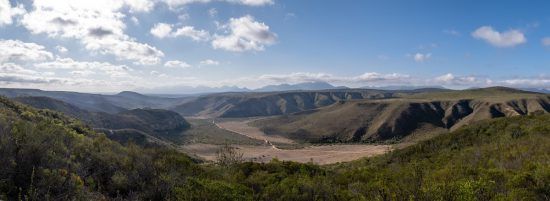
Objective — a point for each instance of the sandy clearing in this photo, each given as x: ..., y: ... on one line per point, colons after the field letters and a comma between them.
x: 325, y: 154
x: 322, y: 154
x: 242, y: 127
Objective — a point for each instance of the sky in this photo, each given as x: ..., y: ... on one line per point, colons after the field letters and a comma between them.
x: 148, y: 45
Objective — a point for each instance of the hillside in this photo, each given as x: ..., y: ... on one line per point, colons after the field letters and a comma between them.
x: 275, y: 103
x: 52, y: 157
x: 123, y: 126
x: 391, y: 119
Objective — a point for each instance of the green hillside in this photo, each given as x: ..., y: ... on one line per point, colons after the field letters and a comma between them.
x: 136, y: 124
x: 48, y: 156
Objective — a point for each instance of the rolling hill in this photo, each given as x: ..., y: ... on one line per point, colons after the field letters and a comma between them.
x: 391, y: 119
x: 135, y: 124
x: 98, y: 102
x: 277, y: 103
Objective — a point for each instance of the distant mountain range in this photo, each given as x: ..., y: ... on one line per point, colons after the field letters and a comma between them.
x: 208, y: 90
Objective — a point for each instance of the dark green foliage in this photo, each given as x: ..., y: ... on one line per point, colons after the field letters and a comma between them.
x: 47, y: 156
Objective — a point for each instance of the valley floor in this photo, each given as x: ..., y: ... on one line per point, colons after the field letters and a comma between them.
x: 277, y: 147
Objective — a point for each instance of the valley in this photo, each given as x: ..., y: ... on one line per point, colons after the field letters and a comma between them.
x: 282, y: 148
x: 319, y: 126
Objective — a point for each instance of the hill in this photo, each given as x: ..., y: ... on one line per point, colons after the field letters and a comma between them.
x: 98, y: 102
x: 135, y: 124
x: 392, y: 119
x: 276, y: 103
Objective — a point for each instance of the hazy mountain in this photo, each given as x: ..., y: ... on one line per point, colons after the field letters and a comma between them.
x: 98, y: 102
x: 186, y: 90
x: 538, y: 90
x: 422, y: 113
x: 299, y: 86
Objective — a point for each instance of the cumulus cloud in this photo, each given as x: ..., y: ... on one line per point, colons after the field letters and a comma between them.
x: 176, y: 64
x: 535, y: 82
x: 162, y: 30
x: 83, y: 66
x: 546, y: 41
x: 508, y: 38
x: 7, y: 12
x: 454, y: 80
x: 365, y: 78
x: 16, y: 50
x: 15, y: 69
x: 419, y: 57
x: 99, y: 25
x: 245, y: 34
x: 209, y: 62
x: 178, y: 3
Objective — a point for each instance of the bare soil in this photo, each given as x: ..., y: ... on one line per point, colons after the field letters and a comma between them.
x: 321, y: 154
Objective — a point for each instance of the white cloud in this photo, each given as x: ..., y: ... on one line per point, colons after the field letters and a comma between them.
x: 419, y: 57
x: 209, y: 62
x: 99, y: 25
x: 245, y: 34
x: 191, y: 32
x: 453, y: 80
x: 176, y: 64
x: 373, y: 77
x: 162, y: 30
x: 366, y: 78
x: 509, y: 38
x: 140, y: 5
x: 7, y: 12
x: 178, y: 3
x: 82, y: 73
x: 546, y: 41
x: 542, y: 82
x: 157, y: 74
x: 61, y: 49
x: 16, y: 50
x: 80, y: 66
x: 14, y: 68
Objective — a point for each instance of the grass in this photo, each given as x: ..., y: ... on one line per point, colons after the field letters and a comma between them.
x: 204, y: 131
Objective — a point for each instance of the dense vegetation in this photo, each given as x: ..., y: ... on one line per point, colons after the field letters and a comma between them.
x: 47, y: 156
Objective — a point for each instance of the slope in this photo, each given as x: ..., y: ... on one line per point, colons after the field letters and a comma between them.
x: 123, y: 126
x: 390, y: 119
x: 276, y: 103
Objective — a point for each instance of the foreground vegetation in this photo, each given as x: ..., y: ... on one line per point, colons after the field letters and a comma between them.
x: 47, y: 156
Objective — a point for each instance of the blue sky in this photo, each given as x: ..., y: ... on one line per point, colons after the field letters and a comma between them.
x: 155, y: 44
